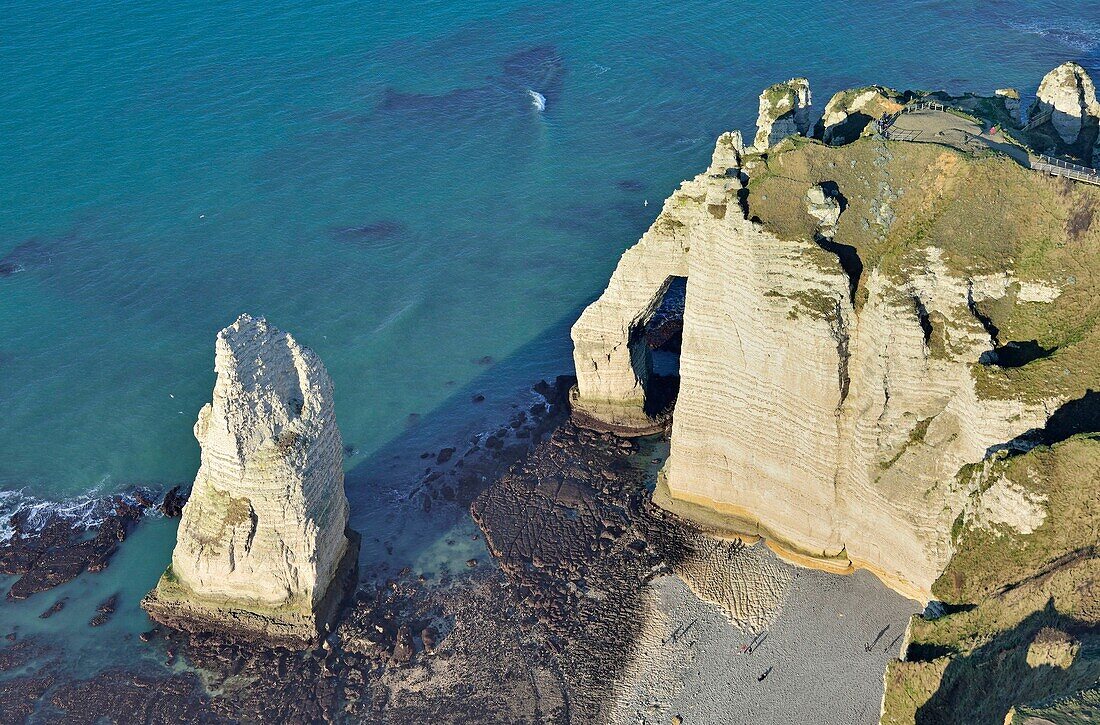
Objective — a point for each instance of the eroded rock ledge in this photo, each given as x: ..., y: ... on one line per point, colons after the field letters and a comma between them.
x: 263, y: 549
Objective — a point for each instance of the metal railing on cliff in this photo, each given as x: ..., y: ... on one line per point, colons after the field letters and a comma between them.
x: 1038, y: 120
x: 886, y: 124
x: 1057, y: 167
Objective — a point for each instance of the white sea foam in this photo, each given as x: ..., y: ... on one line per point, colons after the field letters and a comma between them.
x: 86, y: 511
x: 537, y: 100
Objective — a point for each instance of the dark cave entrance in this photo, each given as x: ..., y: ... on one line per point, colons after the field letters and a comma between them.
x: 663, y: 336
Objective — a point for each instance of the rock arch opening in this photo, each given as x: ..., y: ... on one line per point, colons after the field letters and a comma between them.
x: 627, y: 351
x: 663, y: 337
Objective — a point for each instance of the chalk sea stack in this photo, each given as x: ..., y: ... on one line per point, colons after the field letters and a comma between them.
x: 784, y: 111
x: 263, y: 549
x: 1069, y: 95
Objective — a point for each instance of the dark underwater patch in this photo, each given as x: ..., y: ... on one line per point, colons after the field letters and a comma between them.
x: 378, y: 231
x: 540, y: 68
x: 630, y: 185
x: 28, y: 255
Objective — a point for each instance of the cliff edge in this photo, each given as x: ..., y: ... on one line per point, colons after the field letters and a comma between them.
x: 862, y: 323
x: 889, y: 360
x: 263, y: 549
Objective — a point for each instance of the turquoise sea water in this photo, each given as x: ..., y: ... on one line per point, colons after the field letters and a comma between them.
x: 374, y: 178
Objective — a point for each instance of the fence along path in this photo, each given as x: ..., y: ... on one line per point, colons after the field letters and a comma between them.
x: 1057, y: 167
x: 1038, y: 120
x: 1041, y: 163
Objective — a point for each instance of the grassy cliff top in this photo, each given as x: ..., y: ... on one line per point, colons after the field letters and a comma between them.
x: 987, y: 214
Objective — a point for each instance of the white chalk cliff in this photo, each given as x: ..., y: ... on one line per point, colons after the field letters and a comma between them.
x: 264, y: 530
x: 825, y: 408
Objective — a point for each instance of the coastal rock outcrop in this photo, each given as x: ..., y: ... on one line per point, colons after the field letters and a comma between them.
x: 263, y: 549
x: 784, y: 111
x: 848, y: 114
x: 1011, y: 99
x: 857, y: 333
x: 1069, y: 94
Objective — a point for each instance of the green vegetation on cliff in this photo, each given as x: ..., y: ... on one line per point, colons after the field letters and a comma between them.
x: 1022, y: 632
x: 986, y: 214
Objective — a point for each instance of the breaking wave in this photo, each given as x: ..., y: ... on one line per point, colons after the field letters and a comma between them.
x: 537, y: 100
x: 86, y: 511
x: 1079, y: 34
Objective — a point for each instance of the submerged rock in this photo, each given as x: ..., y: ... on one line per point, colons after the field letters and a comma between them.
x: 49, y: 547
x: 263, y: 548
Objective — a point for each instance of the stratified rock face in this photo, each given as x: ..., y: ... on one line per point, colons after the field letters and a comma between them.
x: 839, y: 367
x: 263, y: 533
x: 849, y: 114
x: 613, y: 365
x: 1070, y: 94
x: 784, y: 111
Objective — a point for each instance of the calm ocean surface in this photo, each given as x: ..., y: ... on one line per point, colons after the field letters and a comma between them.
x: 374, y: 178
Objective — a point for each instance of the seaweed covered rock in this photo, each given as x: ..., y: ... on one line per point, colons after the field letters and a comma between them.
x: 263, y: 548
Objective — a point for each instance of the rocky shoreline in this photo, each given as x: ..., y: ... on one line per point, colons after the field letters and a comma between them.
x: 554, y: 634
x: 882, y: 404
x: 48, y: 548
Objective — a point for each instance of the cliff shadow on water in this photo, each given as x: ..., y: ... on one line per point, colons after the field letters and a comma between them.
x: 409, y: 496
x: 564, y: 510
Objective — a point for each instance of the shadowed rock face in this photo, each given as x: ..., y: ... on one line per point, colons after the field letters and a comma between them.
x: 263, y: 533
x: 849, y: 114
x: 784, y: 111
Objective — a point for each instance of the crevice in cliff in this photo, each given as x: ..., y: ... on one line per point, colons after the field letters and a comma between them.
x: 254, y: 520
x: 840, y: 334
x: 986, y: 322
x: 849, y: 260
x: 925, y: 320
x: 743, y: 199
x: 1080, y: 416
x: 1011, y: 354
